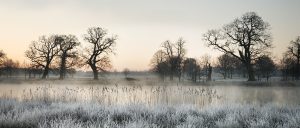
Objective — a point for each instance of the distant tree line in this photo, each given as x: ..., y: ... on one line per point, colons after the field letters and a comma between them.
x: 245, y: 44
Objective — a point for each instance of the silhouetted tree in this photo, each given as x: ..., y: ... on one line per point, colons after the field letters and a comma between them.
x: 288, y: 66
x: 294, y: 51
x: 10, y: 67
x: 206, y: 69
x: 265, y: 66
x: 159, y: 64
x: 35, y: 71
x: 226, y: 65
x: 246, y: 38
x: 191, y: 68
x: 67, y: 46
x: 97, y: 55
x: 42, y: 52
x: 2, y: 58
x: 126, y: 72
x: 175, y: 54
x: 71, y: 71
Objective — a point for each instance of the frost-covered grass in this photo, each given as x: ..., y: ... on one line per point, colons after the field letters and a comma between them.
x: 32, y: 114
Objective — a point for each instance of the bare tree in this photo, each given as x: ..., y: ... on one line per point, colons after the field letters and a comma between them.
x: 246, y: 38
x: 2, y: 58
x: 97, y: 55
x: 159, y: 64
x: 288, y: 66
x: 191, y: 68
x: 169, y: 60
x: 226, y: 65
x: 175, y: 54
x: 42, y: 52
x: 68, y: 53
x: 294, y: 50
x: 205, y: 60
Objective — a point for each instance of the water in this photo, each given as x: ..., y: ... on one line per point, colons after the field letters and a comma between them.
x: 126, y: 93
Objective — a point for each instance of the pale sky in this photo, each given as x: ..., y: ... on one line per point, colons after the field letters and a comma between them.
x: 141, y: 25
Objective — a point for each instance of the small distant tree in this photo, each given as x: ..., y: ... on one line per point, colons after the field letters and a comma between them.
x: 159, y: 64
x: 71, y: 71
x: 42, y: 52
x: 226, y: 65
x: 2, y: 58
x: 10, y: 67
x: 265, y: 66
x: 126, y: 72
x: 205, y: 60
x: 96, y: 56
x: 191, y: 68
x: 174, y: 57
x: 35, y: 71
x: 288, y: 66
x: 169, y: 59
x: 246, y: 38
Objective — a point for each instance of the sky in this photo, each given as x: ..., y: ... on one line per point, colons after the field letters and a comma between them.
x: 141, y: 25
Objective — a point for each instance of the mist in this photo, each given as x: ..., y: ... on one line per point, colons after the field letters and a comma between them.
x: 153, y: 64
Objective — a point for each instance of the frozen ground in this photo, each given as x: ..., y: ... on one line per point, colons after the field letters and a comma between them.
x: 39, y: 114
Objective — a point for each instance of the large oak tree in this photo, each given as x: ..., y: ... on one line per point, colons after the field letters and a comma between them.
x: 68, y: 53
x: 42, y: 52
x: 100, y: 47
x: 246, y: 38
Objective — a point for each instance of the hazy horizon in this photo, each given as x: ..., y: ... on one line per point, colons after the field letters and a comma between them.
x: 141, y: 25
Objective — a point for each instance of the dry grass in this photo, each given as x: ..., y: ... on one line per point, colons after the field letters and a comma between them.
x: 14, y: 114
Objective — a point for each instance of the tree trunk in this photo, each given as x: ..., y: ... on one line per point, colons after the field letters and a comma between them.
x: 298, y: 69
x: 95, y: 71
x: 209, y: 73
x: 46, y: 71
x: 251, y: 76
x: 62, y: 72
x: 179, y: 77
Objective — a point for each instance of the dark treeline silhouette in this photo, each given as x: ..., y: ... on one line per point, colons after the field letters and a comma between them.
x: 264, y: 67
x: 227, y: 64
x: 245, y: 43
x: 169, y: 60
x: 290, y: 63
x: 191, y: 68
